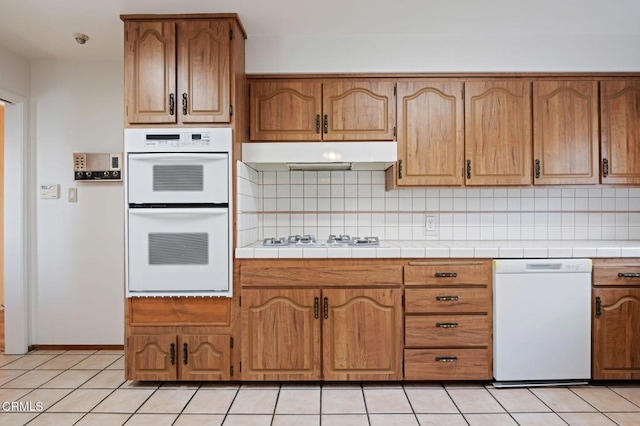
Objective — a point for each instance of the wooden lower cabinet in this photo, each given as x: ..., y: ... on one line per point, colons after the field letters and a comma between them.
x: 447, y: 364
x: 448, y: 321
x: 168, y: 357
x: 280, y: 334
x: 616, y: 319
x: 361, y: 332
x: 616, y: 333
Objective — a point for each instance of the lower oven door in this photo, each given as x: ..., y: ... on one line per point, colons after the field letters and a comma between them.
x: 178, y: 251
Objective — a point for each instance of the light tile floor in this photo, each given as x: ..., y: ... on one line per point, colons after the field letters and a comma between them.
x: 88, y: 388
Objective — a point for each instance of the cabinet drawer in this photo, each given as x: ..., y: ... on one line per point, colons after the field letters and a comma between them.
x: 447, y: 330
x: 447, y: 300
x: 447, y: 364
x: 620, y: 275
x: 213, y: 311
x: 447, y: 273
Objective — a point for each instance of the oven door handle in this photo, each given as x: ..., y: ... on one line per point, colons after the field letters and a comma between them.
x: 181, y: 211
x: 179, y: 156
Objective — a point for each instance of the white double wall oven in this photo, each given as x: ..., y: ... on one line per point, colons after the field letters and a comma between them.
x: 178, y: 204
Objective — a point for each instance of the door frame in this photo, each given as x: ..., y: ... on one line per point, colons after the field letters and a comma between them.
x: 18, y: 222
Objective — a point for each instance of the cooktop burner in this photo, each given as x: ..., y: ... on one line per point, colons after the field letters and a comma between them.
x: 332, y: 241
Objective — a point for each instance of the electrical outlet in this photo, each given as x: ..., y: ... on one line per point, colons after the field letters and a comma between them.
x: 431, y: 226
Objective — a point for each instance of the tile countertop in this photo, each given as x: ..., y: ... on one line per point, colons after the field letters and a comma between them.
x: 450, y: 249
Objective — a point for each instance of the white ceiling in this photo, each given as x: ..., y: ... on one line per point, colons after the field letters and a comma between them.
x: 44, y: 28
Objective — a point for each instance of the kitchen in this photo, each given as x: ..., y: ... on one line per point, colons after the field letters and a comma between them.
x: 71, y: 291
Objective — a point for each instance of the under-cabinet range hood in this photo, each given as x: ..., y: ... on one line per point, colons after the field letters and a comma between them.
x: 265, y: 156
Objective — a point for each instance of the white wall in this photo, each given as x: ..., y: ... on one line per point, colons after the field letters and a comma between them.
x: 444, y: 53
x: 79, y: 284
x: 14, y: 72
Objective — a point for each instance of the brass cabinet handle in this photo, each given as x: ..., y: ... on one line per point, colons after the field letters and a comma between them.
x: 447, y: 324
x: 317, y: 123
x: 172, y: 104
x: 316, y: 307
x: 446, y: 298
x: 628, y: 274
x: 172, y: 353
x: 446, y: 359
x: 399, y: 169
x: 326, y: 308
x: 185, y: 353
x: 184, y: 104
x: 445, y: 274
x: 468, y: 169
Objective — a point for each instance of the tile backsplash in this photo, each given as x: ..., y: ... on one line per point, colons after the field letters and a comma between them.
x: 356, y: 203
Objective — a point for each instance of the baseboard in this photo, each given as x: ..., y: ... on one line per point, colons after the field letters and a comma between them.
x: 75, y: 347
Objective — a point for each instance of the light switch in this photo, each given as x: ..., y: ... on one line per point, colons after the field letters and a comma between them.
x: 73, y: 195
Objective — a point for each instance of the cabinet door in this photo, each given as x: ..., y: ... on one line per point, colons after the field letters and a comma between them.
x: 358, y: 110
x: 281, y: 335
x: 150, y: 66
x: 616, y: 333
x: 205, y: 357
x: 620, y: 109
x: 203, y: 71
x: 152, y: 357
x: 498, y: 132
x: 362, y: 334
x: 565, y: 132
x: 430, y: 133
x: 285, y: 111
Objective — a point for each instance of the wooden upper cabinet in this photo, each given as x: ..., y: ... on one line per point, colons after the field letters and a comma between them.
x: 498, y: 132
x: 358, y: 110
x: 285, y: 111
x: 150, y: 66
x: 305, y: 110
x: 203, y: 71
x: 620, y: 120
x: 430, y: 133
x: 177, y: 71
x: 565, y: 132
x: 362, y: 334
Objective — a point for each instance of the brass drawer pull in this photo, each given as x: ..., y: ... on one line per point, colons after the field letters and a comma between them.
x: 628, y: 274
x: 446, y: 298
x: 447, y: 324
x: 446, y: 359
x: 446, y: 274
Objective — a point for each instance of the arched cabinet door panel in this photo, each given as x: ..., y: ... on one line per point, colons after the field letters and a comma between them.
x: 620, y: 136
x: 281, y: 334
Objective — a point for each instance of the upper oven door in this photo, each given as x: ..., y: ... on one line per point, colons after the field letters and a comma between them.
x: 178, y: 178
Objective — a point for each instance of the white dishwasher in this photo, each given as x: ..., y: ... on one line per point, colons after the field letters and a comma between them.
x: 541, y: 321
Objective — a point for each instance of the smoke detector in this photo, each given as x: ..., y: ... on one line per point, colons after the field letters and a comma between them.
x: 81, y: 38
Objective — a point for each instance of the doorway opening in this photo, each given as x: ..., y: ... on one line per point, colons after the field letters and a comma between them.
x: 1, y: 226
